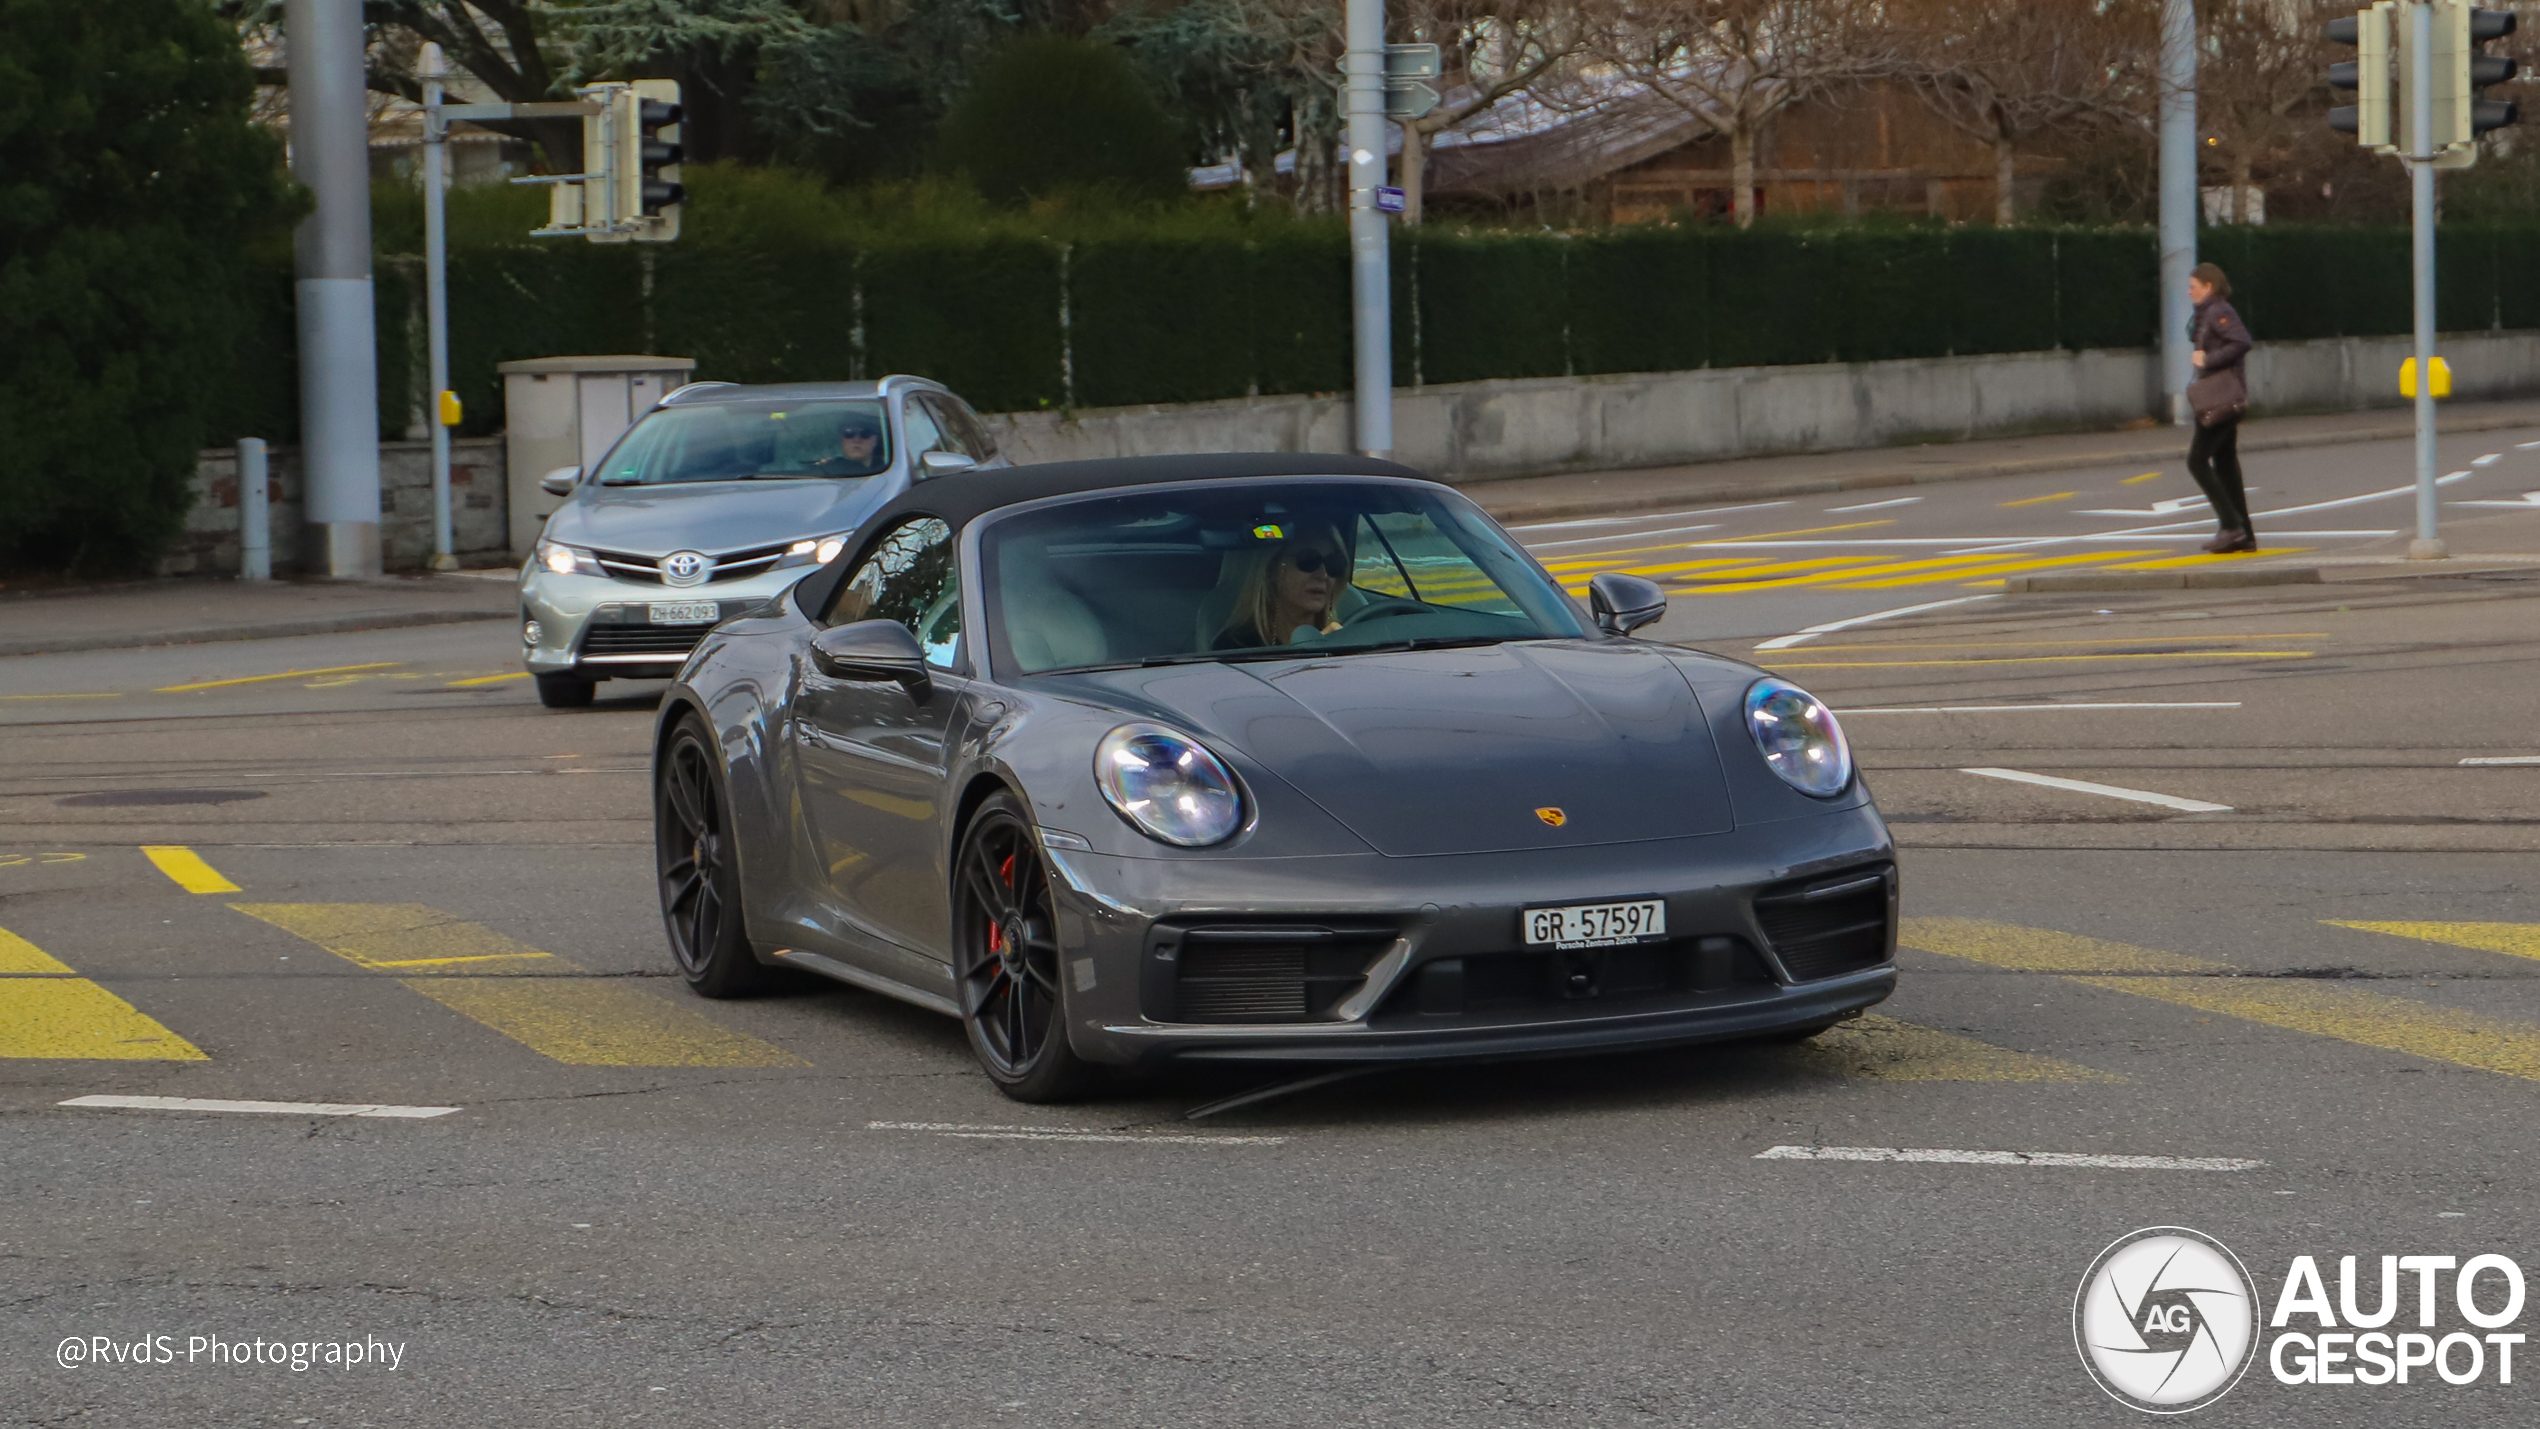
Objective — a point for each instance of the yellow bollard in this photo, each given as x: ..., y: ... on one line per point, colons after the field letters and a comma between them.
x: 2408, y: 378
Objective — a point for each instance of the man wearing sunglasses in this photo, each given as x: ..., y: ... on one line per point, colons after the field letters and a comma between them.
x: 1292, y: 592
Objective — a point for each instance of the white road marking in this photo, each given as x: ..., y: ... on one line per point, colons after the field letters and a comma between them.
x: 2010, y: 1158
x: 2529, y: 500
x: 2526, y: 446
x: 2171, y: 507
x: 2504, y: 759
x: 1620, y: 536
x: 1784, y: 642
x: 2154, y: 532
x: 1875, y: 505
x: 1645, y: 516
x: 2084, y: 786
x: 2488, y: 460
x: 1055, y: 1133
x: 1987, y: 709
x: 270, y: 1108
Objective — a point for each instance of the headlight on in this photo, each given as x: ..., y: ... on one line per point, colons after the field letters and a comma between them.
x: 813, y: 551
x: 1799, y: 737
x: 1169, y: 785
x: 567, y: 560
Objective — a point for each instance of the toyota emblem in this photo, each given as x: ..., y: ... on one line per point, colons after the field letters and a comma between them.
x: 684, y: 568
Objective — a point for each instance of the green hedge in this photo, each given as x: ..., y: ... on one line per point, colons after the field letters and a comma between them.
x: 1189, y: 311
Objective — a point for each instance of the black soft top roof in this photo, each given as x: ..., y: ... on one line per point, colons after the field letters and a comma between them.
x: 958, y: 499
x: 963, y: 498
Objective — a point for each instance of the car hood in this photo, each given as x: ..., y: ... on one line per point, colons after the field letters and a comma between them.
x: 1464, y: 751
x: 713, y: 516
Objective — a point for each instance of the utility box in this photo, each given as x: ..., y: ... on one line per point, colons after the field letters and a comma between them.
x: 568, y: 411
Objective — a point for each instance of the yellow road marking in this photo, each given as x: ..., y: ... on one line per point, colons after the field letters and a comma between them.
x: 2040, y: 500
x: 47, y: 1013
x: 1804, y: 531
x: 20, y: 958
x: 489, y: 679
x: 188, y: 869
x: 533, y: 997
x: 285, y: 675
x: 2367, y: 1019
x: 2047, y: 659
x: 2521, y: 940
x: 1999, y: 567
x: 2034, y: 644
x: 72, y: 1018
x: 1882, y: 1049
x: 2139, y: 480
x: 1934, y: 568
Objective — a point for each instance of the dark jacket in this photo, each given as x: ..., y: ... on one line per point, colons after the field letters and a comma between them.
x: 2219, y: 333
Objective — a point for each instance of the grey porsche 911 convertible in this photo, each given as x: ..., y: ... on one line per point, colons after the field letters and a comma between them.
x: 1266, y: 757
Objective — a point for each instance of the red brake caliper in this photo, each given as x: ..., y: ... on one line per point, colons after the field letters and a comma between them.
x: 996, y: 931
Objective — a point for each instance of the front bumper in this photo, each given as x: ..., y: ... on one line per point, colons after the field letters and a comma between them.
x: 601, y: 628
x: 1421, y: 959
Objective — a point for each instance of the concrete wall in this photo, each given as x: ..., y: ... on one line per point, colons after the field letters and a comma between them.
x: 1477, y: 431
x: 209, y: 543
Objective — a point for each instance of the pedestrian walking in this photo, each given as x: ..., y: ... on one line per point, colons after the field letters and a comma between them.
x: 2218, y: 398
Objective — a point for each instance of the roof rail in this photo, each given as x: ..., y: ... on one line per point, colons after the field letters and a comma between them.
x: 685, y: 388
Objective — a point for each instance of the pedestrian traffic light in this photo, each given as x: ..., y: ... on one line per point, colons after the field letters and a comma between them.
x: 2368, y: 74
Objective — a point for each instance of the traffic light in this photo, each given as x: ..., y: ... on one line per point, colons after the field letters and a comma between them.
x: 652, y: 193
x: 2368, y: 74
x: 2459, y: 31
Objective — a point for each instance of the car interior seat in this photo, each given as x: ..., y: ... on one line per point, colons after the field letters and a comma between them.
x: 1048, y: 625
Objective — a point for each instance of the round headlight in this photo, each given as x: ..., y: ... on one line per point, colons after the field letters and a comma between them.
x: 1169, y: 785
x: 556, y: 558
x: 1799, y: 737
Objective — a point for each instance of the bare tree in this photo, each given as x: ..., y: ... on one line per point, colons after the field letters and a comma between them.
x: 2005, y: 71
x: 1734, y: 64
x: 2265, y: 68
x: 1490, y: 49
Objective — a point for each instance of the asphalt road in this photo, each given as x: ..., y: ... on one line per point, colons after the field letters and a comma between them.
x: 811, y: 1209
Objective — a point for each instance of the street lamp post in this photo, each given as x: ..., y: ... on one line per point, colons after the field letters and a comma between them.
x: 432, y: 68
x: 339, y: 359
x: 2178, y: 197
x: 1371, y: 301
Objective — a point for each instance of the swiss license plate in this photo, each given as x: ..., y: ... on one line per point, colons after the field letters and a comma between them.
x: 685, y: 612
x: 1595, y: 925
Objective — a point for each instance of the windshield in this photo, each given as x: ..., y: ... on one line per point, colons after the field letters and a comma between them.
x: 744, y: 441
x: 1260, y: 570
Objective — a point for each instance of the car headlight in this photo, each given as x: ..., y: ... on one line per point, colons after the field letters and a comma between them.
x: 567, y: 560
x: 1169, y: 785
x: 813, y: 551
x: 1799, y: 737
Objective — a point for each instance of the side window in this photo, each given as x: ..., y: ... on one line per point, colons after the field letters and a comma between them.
x: 917, y: 420
x: 911, y: 578
x: 969, y: 437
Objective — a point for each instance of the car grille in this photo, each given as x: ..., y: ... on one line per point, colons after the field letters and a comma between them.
x: 730, y: 566
x: 671, y: 642
x: 1268, y: 972
x: 1677, y: 970
x: 1831, y: 925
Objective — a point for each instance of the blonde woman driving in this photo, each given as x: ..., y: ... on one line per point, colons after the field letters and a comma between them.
x: 1293, y: 590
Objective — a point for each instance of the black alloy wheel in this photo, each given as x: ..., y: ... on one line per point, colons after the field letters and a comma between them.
x: 1005, y: 936
x: 700, y: 883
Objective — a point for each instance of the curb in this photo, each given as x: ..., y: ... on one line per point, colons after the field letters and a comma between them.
x: 2158, y: 580
x: 271, y: 630
x: 2168, y: 451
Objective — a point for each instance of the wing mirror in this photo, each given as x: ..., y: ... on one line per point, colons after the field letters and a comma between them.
x: 560, y: 481
x: 1623, y: 604
x: 934, y: 464
x: 871, y: 651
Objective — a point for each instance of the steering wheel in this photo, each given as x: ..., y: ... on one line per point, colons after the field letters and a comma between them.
x: 1389, y: 605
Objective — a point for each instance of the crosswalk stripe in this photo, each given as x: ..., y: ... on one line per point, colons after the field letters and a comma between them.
x: 188, y: 869
x: 46, y: 1012
x: 1878, y: 1048
x: 2521, y: 940
x: 2367, y: 1019
x: 547, y: 1003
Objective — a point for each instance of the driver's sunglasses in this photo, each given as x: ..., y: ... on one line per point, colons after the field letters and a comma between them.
x: 1309, y: 561
x: 859, y: 436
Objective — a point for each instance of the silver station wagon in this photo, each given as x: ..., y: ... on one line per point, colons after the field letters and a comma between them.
x: 710, y: 508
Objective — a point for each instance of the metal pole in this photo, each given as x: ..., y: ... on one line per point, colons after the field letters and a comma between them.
x: 430, y: 67
x: 339, y: 358
x: 2420, y: 160
x: 255, y: 515
x: 2178, y: 197
x: 1363, y: 67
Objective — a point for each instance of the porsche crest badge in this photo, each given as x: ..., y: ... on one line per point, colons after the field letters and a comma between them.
x: 1552, y: 816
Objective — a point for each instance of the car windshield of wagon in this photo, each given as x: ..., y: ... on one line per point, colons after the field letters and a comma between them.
x: 1255, y: 570
x: 837, y: 439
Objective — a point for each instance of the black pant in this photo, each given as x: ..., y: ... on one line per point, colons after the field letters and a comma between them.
x: 2213, y: 458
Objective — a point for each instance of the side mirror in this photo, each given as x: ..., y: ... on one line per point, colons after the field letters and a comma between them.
x: 934, y: 464
x: 1623, y: 604
x: 873, y: 650
x: 560, y: 482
